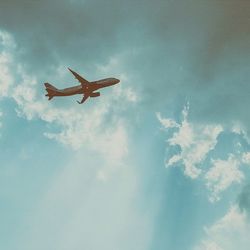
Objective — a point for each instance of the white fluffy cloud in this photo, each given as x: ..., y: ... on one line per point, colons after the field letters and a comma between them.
x: 228, y: 233
x: 194, y: 140
x: 223, y: 174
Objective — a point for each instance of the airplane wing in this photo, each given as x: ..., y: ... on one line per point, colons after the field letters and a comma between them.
x: 85, y: 97
x: 79, y: 78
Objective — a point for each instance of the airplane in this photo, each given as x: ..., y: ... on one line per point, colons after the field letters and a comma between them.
x: 86, y: 88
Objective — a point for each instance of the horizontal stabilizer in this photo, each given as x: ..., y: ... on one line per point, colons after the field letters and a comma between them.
x: 95, y: 94
x: 51, y: 90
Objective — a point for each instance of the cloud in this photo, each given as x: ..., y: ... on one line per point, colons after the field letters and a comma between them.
x: 195, y: 142
x: 7, y: 45
x: 195, y: 146
x: 167, y: 123
x: 228, y: 233
x: 85, y: 213
x: 246, y: 158
x: 208, y: 245
x: 223, y: 174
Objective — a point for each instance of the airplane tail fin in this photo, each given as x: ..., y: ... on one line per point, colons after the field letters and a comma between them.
x: 49, y: 86
x: 51, y: 90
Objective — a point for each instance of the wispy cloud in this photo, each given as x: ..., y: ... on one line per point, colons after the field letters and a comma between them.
x: 6, y: 59
x: 228, y: 233
x: 195, y: 143
x: 85, y: 213
x: 208, y: 245
x: 223, y: 174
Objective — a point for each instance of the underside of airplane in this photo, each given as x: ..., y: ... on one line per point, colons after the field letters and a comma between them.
x: 86, y: 88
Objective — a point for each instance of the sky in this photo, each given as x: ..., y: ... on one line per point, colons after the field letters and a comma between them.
x: 160, y: 161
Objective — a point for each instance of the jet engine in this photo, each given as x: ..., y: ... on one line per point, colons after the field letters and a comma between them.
x: 96, y: 94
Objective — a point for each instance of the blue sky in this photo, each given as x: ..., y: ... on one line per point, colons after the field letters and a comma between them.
x: 160, y: 161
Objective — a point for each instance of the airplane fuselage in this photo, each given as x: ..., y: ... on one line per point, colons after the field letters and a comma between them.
x: 88, y: 88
